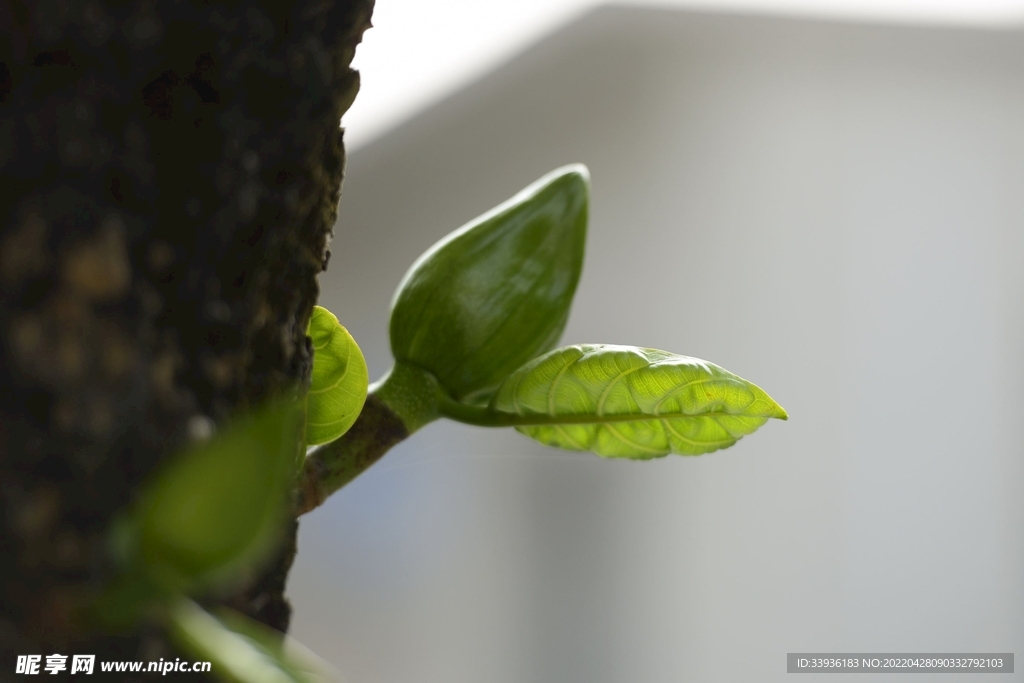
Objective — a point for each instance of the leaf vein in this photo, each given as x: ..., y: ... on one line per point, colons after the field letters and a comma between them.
x: 623, y: 439
x: 554, y: 385
x: 669, y: 427
x: 676, y: 390
x: 607, y: 389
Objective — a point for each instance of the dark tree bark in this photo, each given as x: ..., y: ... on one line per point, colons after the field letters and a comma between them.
x: 170, y: 177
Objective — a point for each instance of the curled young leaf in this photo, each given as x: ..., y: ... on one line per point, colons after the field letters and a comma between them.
x: 627, y: 402
x: 339, y: 379
x: 218, y: 506
x: 496, y: 292
x: 238, y: 648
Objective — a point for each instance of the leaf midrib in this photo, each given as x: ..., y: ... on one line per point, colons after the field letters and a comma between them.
x: 540, y: 419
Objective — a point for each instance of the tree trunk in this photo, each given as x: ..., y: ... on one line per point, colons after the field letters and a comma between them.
x: 170, y: 178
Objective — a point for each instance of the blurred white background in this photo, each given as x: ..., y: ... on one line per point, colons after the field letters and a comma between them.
x: 829, y: 207
x: 421, y: 51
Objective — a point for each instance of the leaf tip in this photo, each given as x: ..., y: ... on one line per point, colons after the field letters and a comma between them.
x: 578, y: 170
x: 573, y: 179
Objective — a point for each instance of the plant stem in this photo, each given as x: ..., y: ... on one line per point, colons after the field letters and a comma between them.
x: 396, y: 406
x: 335, y: 464
x: 402, y: 402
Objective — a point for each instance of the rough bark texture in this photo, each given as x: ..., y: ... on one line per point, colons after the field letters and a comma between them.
x: 170, y: 177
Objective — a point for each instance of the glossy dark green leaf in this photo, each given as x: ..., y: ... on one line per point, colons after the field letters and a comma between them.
x: 218, y: 506
x: 627, y: 402
x: 238, y: 648
x: 496, y: 292
x: 339, y: 379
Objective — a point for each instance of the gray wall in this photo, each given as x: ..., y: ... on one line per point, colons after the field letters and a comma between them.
x: 832, y: 211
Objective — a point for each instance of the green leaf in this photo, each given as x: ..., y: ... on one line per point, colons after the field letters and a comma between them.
x: 339, y: 379
x: 238, y: 648
x: 627, y: 402
x: 219, y: 506
x: 496, y: 292
x: 124, y: 601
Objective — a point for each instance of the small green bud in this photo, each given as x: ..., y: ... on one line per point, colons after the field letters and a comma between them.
x: 339, y: 379
x: 496, y: 292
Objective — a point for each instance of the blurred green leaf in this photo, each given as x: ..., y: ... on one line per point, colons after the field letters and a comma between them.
x: 238, y: 648
x: 124, y: 601
x: 339, y: 379
x: 627, y: 402
x: 496, y: 292
x: 219, y: 506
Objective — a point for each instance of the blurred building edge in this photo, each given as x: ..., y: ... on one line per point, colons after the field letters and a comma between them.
x: 830, y: 209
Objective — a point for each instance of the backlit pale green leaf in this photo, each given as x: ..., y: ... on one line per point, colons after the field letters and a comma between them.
x: 496, y: 292
x: 627, y: 402
x: 339, y: 379
x: 238, y: 648
x: 218, y: 506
